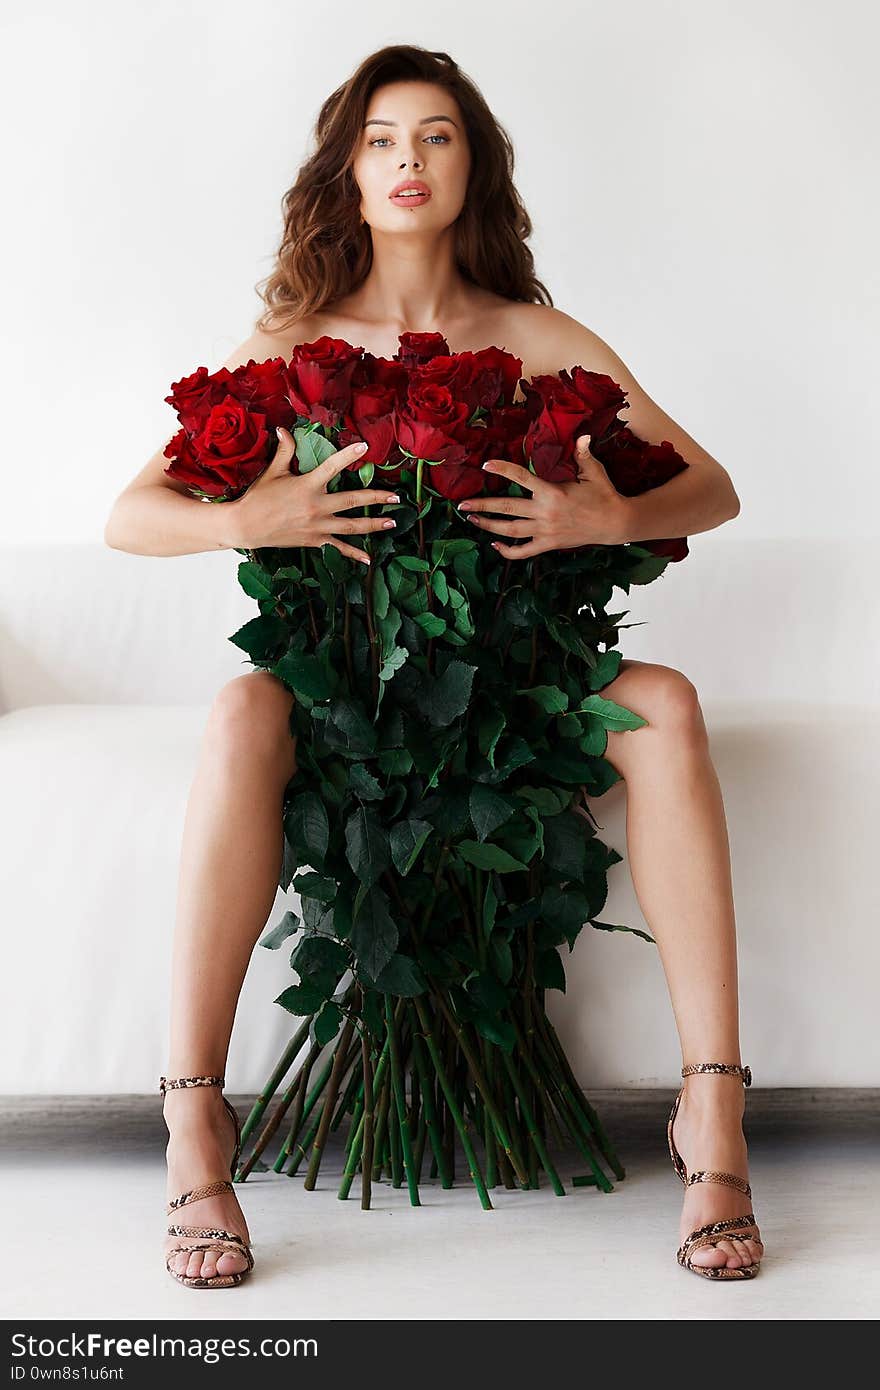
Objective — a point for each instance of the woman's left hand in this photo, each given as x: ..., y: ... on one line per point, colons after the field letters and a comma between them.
x: 558, y: 516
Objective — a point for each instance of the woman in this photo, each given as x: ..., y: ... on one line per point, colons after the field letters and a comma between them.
x: 360, y: 262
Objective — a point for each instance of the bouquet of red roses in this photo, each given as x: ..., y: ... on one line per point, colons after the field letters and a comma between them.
x: 450, y: 730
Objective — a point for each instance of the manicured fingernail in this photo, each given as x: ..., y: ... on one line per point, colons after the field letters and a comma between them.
x: 389, y: 521
x: 360, y: 447
x: 465, y: 511
x: 394, y: 497
x: 488, y: 467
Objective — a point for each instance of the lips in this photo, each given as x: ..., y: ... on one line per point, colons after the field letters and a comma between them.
x: 410, y: 183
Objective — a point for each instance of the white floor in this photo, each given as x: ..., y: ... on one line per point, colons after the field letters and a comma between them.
x: 84, y: 1218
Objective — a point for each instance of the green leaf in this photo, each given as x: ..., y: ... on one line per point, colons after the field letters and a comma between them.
x: 300, y: 999
x: 319, y: 955
x: 549, y: 970
x: 327, y: 1022
x: 366, y: 847
x: 307, y: 828
x: 634, y: 931
x: 261, y: 637
x: 401, y: 976
x: 312, y: 448
x: 487, y: 993
x: 612, y: 715
x: 255, y: 580
x: 289, y: 924
x: 431, y: 623
x: 485, y: 856
x: 411, y: 562
x: 374, y: 934
x: 447, y: 696
x: 407, y: 838
x: 348, y: 727
x: 549, y: 697
x: 496, y: 1030
x: 488, y: 810
x: 311, y: 885
x: 305, y: 674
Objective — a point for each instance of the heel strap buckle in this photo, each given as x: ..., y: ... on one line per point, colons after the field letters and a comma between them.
x: 729, y: 1068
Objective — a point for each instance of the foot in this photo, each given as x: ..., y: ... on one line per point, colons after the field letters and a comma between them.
x: 199, y: 1150
x: 708, y: 1134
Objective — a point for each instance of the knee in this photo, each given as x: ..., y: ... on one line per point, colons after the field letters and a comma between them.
x: 251, y: 714
x: 674, y: 703
x: 670, y: 703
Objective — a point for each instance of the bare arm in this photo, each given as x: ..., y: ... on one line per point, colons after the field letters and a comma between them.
x: 157, y: 515
x: 699, y: 498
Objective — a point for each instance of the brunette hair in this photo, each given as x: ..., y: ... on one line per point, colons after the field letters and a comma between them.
x: 326, y: 251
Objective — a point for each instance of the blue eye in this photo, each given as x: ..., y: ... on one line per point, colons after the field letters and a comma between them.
x: 436, y: 136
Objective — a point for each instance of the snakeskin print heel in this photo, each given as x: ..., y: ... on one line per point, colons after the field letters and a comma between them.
x: 737, y: 1227
x: 212, y: 1239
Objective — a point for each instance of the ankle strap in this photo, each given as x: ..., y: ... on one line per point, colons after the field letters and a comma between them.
x: 732, y: 1069
x: 179, y: 1081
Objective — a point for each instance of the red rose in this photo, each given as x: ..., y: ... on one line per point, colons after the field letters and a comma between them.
x: 635, y: 466
x: 550, y: 438
x: 372, y: 417
x: 433, y: 425
x: 479, y: 379
x: 418, y: 348
x: 225, y: 457
x: 319, y: 378
x: 495, y: 365
x: 263, y: 386
x: 194, y: 395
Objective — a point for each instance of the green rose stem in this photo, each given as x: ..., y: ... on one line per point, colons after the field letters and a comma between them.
x: 534, y: 1134
x: 570, y: 1110
x: 299, y: 1109
x: 311, y: 1099
x: 430, y: 1110
x: 604, y: 1142
x: 473, y: 1162
x: 400, y: 1102
x: 356, y: 1146
x: 366, y: 1174
x: 332, y: 1092
x: 288, y: 1055
x: 476, y: 1070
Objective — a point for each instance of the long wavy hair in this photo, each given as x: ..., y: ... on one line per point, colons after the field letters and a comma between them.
x: 326, y: 251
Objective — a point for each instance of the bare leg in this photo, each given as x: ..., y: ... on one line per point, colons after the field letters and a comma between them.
x: 229, y: 869
x: 679, y: 859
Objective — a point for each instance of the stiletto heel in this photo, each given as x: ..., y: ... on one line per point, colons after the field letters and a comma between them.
x: 736, y: 1227
x: 213, y: 1239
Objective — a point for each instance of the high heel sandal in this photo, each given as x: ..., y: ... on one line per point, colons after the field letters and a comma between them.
x: 213, y: 1239
x: 736, y: 1227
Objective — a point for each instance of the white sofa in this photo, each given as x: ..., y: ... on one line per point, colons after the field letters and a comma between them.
x: 109, y: 661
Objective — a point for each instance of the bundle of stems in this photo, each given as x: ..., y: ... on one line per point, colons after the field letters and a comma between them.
x: 430, y: 1088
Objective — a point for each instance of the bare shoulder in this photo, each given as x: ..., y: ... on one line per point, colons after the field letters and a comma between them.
x: 266, y: 343
x: 559, y: 341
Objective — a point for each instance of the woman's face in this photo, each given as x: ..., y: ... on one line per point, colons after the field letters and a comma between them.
x: 412, y: 130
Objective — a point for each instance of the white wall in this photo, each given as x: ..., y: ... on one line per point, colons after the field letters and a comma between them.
x: 701, y: 177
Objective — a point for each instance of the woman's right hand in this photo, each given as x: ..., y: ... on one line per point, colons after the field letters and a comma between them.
x: 286, y: 509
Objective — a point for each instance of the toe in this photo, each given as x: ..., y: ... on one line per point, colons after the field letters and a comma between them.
x: 709, y: 1256
x: 194, y: 1265
x: 730, y: 1250
x: 231, y: 1262
x: 209, y: 1264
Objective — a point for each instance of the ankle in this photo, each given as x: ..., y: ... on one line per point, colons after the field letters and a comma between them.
x: 711, y: 1094
x: 193, y: 1107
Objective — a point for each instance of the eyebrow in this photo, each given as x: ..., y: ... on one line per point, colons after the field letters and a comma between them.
x: 424, y: 121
